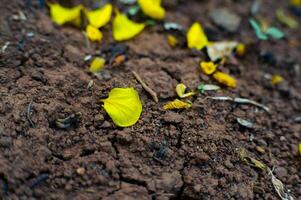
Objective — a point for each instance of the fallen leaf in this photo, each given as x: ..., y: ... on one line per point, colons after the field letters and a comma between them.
x: 208, y: 67
x: 181, y: 89
x: 251, y: 161
x: 93, y: 33
x: 125, y: 29
x: 176, y: 104
x: 61, y: 15
x: 97, y: 65
x: 258, y: 30
x: 124, y: 106
x: 152, y: 8
x: 217, y: 50
x: 275, y: 33
x: 100, y: 16
x: 225, y: 79
x: 196, y: 37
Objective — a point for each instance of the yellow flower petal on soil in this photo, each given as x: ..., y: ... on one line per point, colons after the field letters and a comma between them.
x: 241, y: 49
x: 180, y: 89
x: 124, y: 106
x: 97, y: 65
x: 225, y: 79
x: 276, y: 79
x: 208, y: 67
x: 296, y: 2
x: 93, y: 33
x: 172, y: 40
x: 299, y: 148
x: 101, y: 16
x: 62, y: 15
x: 124, y: 29
x: 176, y: 104
x: 152, y: 8
x: 196, y: 37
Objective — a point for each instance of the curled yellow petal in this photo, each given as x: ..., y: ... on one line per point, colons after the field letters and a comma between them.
x: 180, y: 89
x: 276, y: 79
x: 124, y: 29
x: 152, y: 8
x: 225, y: 79
x: 196, y: 37
x: 62, y: 15
x: 97, y: 65
x: 93, y: 33
x: 176, y: 104
x: 208, y: 67
x: 101, y: 16
x: 124, y: 106
x: 172, y: 40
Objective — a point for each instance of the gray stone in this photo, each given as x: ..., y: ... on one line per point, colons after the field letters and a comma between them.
x: 225, y: 19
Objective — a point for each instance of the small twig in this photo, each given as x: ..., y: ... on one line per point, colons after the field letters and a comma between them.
x: 148, y: 89
x: 29, y: 111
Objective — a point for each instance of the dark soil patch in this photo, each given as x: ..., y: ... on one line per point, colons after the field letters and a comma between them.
x: 191, y: 154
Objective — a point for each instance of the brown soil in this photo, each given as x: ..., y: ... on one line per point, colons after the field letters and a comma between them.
x: 190, y: 154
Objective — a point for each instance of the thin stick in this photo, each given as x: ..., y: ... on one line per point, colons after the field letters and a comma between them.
x: 29, y: 110
x: 148, y: 89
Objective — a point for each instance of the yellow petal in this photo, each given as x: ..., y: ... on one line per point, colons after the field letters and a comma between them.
x: 196, y: 37
x: 62, y: 15
x: 124, y: 29
x: 97, y: 65
x: 299, y: 148
x: 124, y: 106
x: 176, y: 104
x: 225, y: 79
x: 241, y: 49
x: 296, y: 2
x: 152, y: 8
x: 276, y: 79
x: 180, y: 89
x: 93, y: 33
x: 217, y: 50
x: 208, y: 67
x: 101, y: 16
x: 172, y: 40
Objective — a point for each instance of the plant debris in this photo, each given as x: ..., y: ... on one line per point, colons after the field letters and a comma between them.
x: 241, y: 101
x: 181, y: 89
x: 168, y: 26
x: 146, y: 88
x: 207, y: 87
x: 225, y: 79
x: 286, y: 19
x: 177, y: 104
x: 29, y: 113
x: 68, y: 122
x: 244, y: 122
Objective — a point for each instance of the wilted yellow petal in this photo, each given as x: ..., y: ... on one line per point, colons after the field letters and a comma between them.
x: 172, y: 40
x: 241, y: 49
x: 176, y: 104
x: 296, y: 2
x: 299, y: 148
x: 196, y: 37
x: 180, y: 89
x: 124, y: 29
x: 217, y: 50
x: 101, y: 16
x: 152, y: 8
x: 276, y: 79
x: 225, y: 79
x: 93, y: 33
x: 97, y: 65
x: 62, y: 15
x: 124, y: 106
x: 208, y: 67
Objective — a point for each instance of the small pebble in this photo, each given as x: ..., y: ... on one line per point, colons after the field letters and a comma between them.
x: 225, y: 19
x: 80, y: 171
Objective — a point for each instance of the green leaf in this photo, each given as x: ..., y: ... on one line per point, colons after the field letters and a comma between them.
x: 257, y: 28
x: 275, y: 33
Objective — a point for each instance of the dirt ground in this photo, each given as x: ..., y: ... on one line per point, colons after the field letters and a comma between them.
x: 189, y: 154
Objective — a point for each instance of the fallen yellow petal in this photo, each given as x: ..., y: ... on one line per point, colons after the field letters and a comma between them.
x: 93, y: 33
x: 180, y: 90
x: 218, y: 50
x: 152, y: 8
x: 97, y: 65
x: 225, y: 79
x: 196, y: 37
x: 101, y: 16
x: 299, y: 148
x: 124, y: 106
x: 124, y: 29
x: 241, y: 49
x: 208, y: 67
x: 172, y: 40
x: 176, y: 104
x: 276, y: 79
x: 62, y: 15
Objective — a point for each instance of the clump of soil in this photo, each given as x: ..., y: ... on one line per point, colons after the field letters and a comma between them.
x: 190, y: 154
